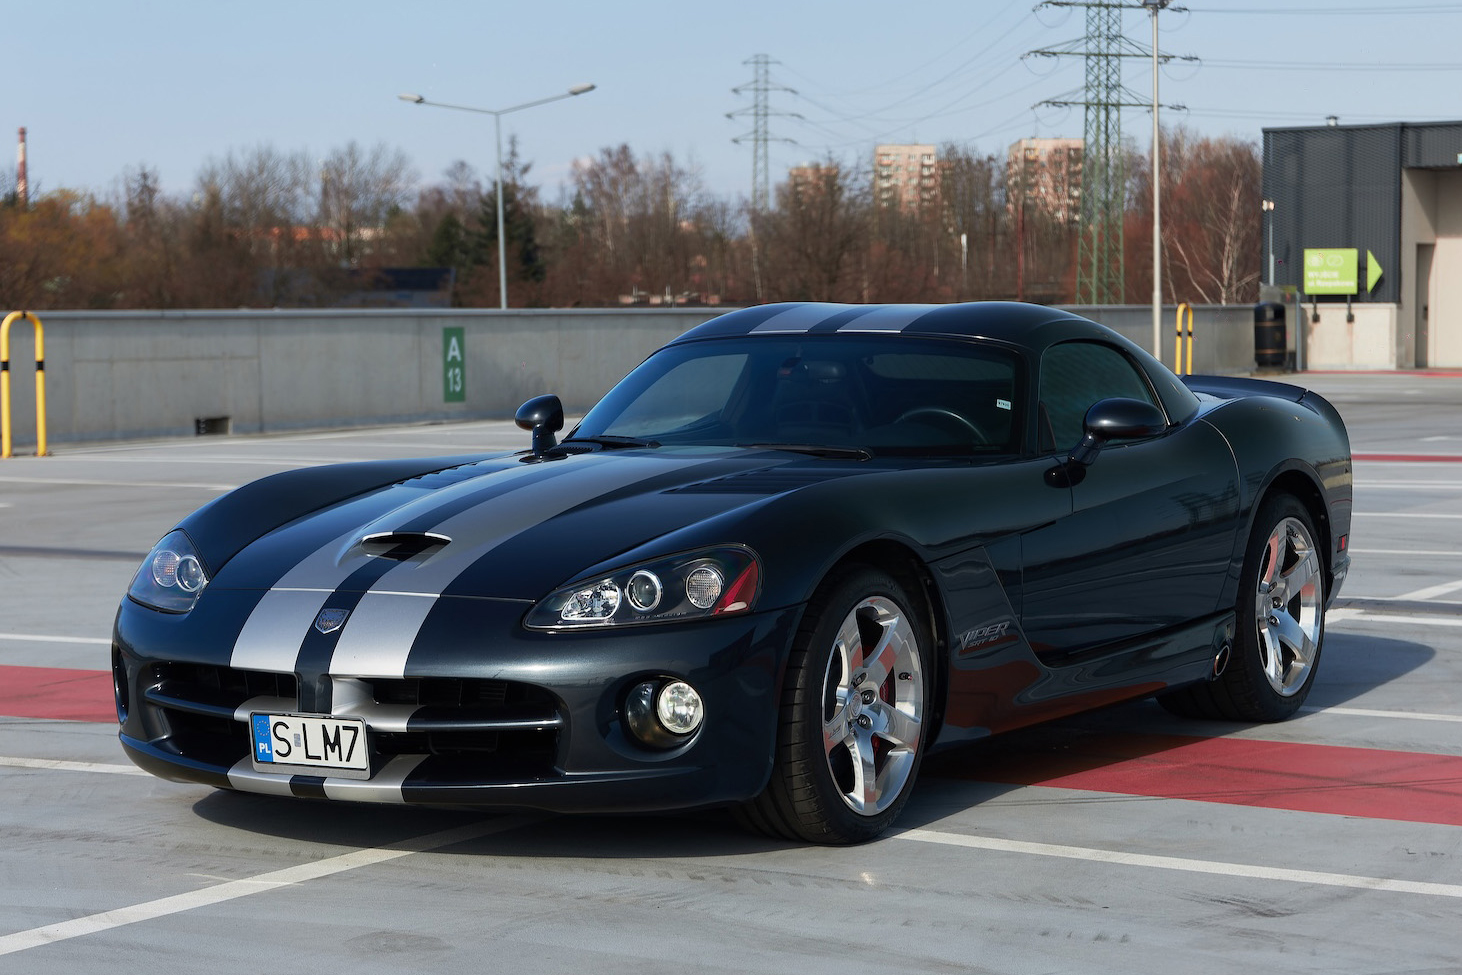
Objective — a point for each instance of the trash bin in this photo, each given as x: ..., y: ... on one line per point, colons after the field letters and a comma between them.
x: 1269, y: 338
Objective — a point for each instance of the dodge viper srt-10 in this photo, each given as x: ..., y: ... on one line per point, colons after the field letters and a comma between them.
x: 791, y: 552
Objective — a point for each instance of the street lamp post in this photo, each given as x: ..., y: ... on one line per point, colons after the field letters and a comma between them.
x: 497, y: 124
x: 1153, y: 6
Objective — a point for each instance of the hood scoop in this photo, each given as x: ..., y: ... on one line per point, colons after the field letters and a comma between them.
x: 401, y: 546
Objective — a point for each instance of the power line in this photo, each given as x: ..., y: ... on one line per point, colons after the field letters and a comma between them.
x: 1347, y: 67
x: 1326, y: 10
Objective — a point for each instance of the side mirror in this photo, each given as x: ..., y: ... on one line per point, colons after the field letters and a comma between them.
x: 1116, y: 419
x: 544, y: 416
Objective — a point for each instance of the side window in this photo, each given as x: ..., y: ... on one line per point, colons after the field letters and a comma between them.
x: 1074, y: 375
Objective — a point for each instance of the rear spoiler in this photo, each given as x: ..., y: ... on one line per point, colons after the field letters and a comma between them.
x: 1233, y: 387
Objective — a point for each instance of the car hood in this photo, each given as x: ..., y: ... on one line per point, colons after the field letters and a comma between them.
x: 502, y: 528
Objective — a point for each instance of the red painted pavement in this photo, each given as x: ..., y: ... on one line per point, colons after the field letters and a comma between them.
x: 63, y: 695
x: 1364, y: 782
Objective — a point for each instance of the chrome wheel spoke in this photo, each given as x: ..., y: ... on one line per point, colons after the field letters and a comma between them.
x: 880, y: 663
x: 850, y: 645
x: 1300, y: 576
x: 838, y: 730
x: 865, y: 793
x: 1273, y: 659
x: 897, y: 728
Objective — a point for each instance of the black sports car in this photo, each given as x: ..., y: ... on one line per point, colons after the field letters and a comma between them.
x: 788, y: 554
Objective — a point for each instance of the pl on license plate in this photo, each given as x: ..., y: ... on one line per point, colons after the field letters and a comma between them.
x: 310, y: 744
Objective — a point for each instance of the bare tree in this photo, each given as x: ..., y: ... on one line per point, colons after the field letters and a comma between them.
x: 813, y: 237
x: 359, y: 191
x: 1211, y: 226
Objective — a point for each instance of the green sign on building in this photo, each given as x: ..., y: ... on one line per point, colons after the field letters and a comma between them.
x: 454, y: 366
x: 1332, y: 271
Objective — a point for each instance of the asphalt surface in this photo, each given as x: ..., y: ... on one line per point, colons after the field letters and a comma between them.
x: 1126, y: 840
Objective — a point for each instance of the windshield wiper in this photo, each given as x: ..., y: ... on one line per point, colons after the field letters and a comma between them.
x: 814, y: 449
x: 611, y: 441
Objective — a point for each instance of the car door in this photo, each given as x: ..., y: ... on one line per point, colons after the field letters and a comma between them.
x: 1148, y: 543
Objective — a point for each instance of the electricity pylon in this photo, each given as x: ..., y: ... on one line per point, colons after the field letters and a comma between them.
x: 1100, y: 271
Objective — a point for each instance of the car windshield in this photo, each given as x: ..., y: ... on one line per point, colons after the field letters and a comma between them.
x: 888, y: 395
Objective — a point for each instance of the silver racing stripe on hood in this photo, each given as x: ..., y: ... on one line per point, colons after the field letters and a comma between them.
x: 378, y: 635
x: 479, y: 530
x: 270, y: 638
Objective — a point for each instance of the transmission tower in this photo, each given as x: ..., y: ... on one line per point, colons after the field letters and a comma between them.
x: 1100, y: 271
x: 761, y: 87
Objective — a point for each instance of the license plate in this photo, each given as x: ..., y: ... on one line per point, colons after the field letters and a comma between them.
x: 310, y: 744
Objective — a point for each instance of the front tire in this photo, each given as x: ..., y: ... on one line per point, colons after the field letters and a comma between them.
x: 854, y: 714
x: 1280, y: 624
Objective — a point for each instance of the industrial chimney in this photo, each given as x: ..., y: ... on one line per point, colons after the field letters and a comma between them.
x: 20, y: 181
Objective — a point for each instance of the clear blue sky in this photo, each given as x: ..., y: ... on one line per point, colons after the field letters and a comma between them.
x: 103, y: 86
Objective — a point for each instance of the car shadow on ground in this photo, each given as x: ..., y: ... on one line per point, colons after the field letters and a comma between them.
x: 952, y: 782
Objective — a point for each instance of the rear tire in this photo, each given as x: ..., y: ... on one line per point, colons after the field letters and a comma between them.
x: 854, y: 714
x: 1280, y: 624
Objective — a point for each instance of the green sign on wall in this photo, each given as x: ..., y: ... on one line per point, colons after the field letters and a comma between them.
x: 454, y: 366
x: 1332, y: 271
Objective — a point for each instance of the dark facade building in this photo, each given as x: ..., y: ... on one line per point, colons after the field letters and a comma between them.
x: 1393, y: 191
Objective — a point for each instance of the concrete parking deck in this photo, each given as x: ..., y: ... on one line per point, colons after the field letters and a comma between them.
x: 1126, y: 840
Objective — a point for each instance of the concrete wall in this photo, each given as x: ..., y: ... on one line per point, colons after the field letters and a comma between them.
x: 122, y: 375
x: 1431, y: 215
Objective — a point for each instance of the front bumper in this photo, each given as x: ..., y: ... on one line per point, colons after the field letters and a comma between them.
x: 491, y: 716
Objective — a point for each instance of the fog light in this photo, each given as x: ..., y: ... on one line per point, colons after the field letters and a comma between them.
x: 663, y: 713
x: 679, y: 707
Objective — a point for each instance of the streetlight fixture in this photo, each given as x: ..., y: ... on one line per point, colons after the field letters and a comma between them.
x: 497, y: 124
x: 1153, y: 6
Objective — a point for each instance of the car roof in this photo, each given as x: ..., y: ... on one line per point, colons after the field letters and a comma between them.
x: 1033, y: 327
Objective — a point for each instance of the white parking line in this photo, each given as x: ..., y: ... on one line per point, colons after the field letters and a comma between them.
x: 56, y: 765
x: 1420, y: 553
x: 1360, y: 615
x: 233, y: 889
x: 84, y: 482
x: 39, y: 638
x: 1403, y: 514
x: 1219, y: 868
x: 1432, y: 592
x: 1369, y: 713
x: 1411, y: 485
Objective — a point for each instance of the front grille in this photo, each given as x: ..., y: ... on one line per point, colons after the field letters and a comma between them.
x: 194, y: 707
x: 494, y: 730
x: 503, y: 730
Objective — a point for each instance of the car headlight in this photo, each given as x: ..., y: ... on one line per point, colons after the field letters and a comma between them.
x: 171, y: 577
x: 711, y: 582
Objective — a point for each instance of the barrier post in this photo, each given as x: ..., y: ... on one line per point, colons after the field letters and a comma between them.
x: 1178, y: 342
x: 35, y: 322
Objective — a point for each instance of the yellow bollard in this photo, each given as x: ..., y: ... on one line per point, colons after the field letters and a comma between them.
x: 5, y: 382
x: 1178, y: 345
